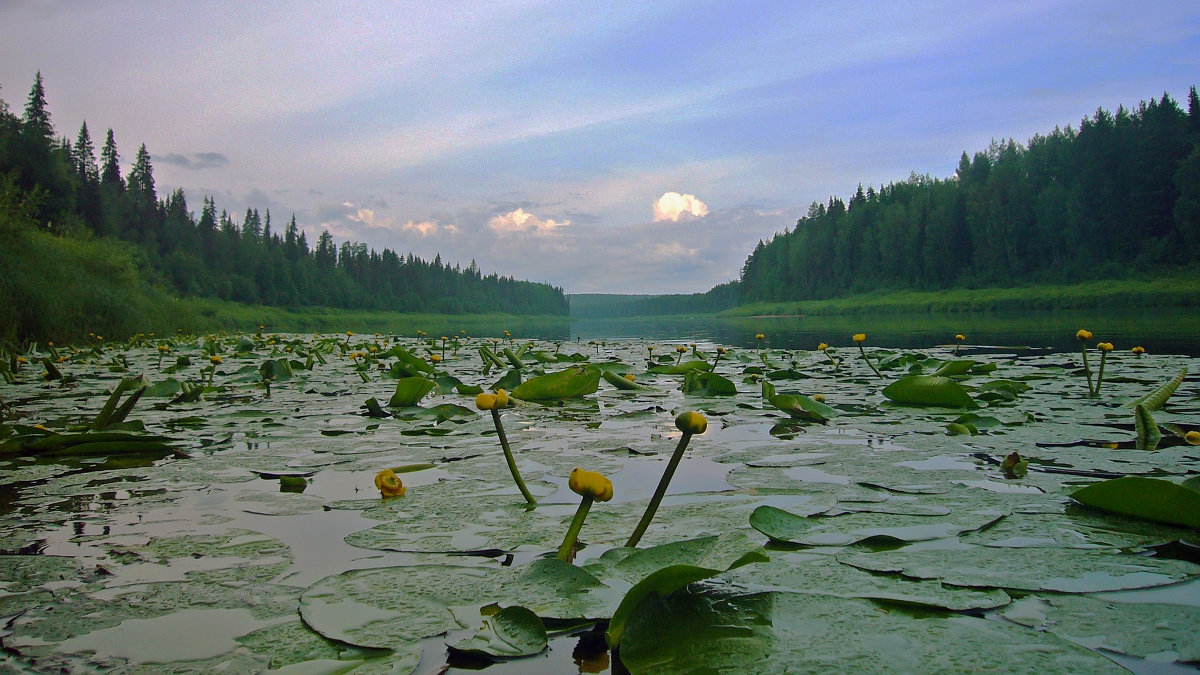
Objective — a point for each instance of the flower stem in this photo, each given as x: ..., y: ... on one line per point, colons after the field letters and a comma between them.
x: 567, y: 550
x: 659, y: 491
x: 1087, y: 370
x: 868, y: 360
x: 508, y: 457
x: 1100, y: 373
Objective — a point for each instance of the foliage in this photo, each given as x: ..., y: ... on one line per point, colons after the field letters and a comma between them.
x: 55, y: 187
x: 1119, y: 191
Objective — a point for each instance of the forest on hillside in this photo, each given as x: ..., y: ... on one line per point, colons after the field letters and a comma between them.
x: 1120, y: 194
x: 50, y: 184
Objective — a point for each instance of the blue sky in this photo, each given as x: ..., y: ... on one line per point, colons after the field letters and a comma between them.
x: 634, y: 148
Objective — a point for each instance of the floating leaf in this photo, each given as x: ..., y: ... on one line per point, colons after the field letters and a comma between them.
x: 797, y: 405
x: 957, y: 367
x: 701, y: 383
x: 513, y: 631
x: 844, y: 530
x: 275, y: 370
x: 682, y: 368
x: 573, y: 382
x: 409, y: 391
x: 661, y: 583
x: 932, y: 390
x: 620, y: 381
x: 1150, y: 498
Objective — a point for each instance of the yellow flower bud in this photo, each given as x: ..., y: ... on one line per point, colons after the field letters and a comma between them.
x: 691, y: 422
x: 435, y: 358
x: 485, y: 401
x: 1192, y: 437
x: 630, y: 377
x: 22, y: 359
x: 860, y: 337
x: 1105, y: 346
x: 215, y: 359
x: 680, y: 348
x: 1083, y: 334
x: 590, y: 484
x: 823, y: 346
x: 960, y: 337
x: 501, y: 398
x: 389, y: 484
x: 1139, y: 350
x: 760, y: 336
x: 819, y: 398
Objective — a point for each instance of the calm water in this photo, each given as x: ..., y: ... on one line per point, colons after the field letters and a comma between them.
x: 1159, y: 332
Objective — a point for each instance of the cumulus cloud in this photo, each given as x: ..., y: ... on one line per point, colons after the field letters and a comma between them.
x: 521, y: 221
x: 427, y: 227
x: 672, y: 206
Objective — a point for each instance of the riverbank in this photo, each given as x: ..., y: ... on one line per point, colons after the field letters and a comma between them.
x: 1175, y: 290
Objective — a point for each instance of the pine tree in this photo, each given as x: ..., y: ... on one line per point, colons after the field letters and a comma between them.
x: 36, y: 122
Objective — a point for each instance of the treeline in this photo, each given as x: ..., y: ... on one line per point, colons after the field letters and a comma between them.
x: 1120, y: 193
x: 60, y: 187
x: 721, y: 297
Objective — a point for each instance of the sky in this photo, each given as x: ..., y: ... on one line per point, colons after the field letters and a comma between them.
x: 619, y: 147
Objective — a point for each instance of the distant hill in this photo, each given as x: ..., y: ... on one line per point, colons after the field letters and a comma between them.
x: 604, y: 306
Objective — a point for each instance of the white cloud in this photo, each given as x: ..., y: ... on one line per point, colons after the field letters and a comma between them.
x: 672, y: 206
x: 428, y: 227
x: 521, y: 221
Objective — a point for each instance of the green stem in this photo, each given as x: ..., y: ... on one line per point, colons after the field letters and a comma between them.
x: 659, y: 491
x: 568, y: 546
x: 1087, y: 370
x: 508, y: 457
x: 868, y: 360
x: 1100, y: 374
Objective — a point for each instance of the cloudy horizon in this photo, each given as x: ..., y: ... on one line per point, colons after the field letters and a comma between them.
x: 635, y: 148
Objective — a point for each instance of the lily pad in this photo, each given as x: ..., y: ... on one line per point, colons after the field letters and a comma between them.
x: 1150, y: 498
x: 931, y: 390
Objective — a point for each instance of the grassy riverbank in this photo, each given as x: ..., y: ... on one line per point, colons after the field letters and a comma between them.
x: 63, y: 288
x: 1175, y: 290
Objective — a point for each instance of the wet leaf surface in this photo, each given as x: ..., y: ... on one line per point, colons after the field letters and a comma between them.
x: 892, y: 545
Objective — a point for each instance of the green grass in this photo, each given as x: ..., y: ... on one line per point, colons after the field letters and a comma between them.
x: 65, y: 288
x: 1178, y: 290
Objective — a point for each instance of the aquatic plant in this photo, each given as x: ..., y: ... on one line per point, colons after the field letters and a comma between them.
x: 690, y: 423
x: 494, y: 403
x: 859, y: 339
x: 590, y: 486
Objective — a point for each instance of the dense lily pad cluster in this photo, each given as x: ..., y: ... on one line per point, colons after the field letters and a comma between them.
x: 956, y: 509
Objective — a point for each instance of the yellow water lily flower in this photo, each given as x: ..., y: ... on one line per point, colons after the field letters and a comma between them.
x: 215, y: 359
x: 960, y: 337
x: 435, y: 358
x: 590, y: 484
x: 389, y: 484
x: 485, y: 401
x: 630, y: 377
x: 1105, y: 346
x: 501, y: 398
x: 1138, y: 350
x: 760, y: 336
x: 691, y: 422
x: 860, y: 337
x: 22, y: 359
x: 680, y: 348
x: 1192, y: 437
x: 819, y: 398
x: 1083, y: 334
x: 823, y: 346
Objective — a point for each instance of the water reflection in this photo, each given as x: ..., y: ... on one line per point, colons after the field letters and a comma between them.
x: 1172, y: 331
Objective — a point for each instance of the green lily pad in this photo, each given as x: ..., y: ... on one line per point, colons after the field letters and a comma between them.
x: 782, y: 526
x: 409, y: 391
x: 1150, y: 498
x: 573, y: 382
x: 513, y: 631
x: 931, y: 390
